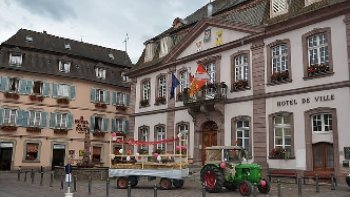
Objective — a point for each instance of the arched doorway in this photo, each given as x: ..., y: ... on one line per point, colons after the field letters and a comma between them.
x: 323, y: 156
x: 209, y: 136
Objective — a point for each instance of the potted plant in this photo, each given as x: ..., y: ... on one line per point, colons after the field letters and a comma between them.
x: 100, y: 105
x: 280, y: 76
x: 9, y: 128
x: 11, y: 95
x: 279, y: 153
x: 33, y: 129
x: 160, y: 100
x: 121, y: 107
x: 60, y: 131
x: 63, y: 101
x: 144, y: 103
x: 240, y: 85
x: 98, y: 133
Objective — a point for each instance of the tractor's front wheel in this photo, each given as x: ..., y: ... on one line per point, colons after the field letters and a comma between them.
x: 212, y: 178
x: 264, y: 186
x: 245, y: 188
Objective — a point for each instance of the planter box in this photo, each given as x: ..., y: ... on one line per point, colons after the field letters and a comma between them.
x: 63, y: 101
x: 121, y: 107
x: 34, y: 129
x: 39, y: 98
x: 60, y: 131
x: 11, y: 95
x: 8, y: 128
x: 99, y: 134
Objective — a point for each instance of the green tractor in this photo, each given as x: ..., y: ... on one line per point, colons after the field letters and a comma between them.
x: 224, y: 167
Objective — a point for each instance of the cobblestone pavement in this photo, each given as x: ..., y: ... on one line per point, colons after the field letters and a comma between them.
x: 11, y: 187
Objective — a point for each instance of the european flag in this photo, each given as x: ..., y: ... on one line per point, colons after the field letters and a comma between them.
x: 174, y: 82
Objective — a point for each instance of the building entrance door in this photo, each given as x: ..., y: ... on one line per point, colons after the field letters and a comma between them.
x: 58, y: 154
x: 209, y: 137
x: 323, y: 157
x: 5, y: 157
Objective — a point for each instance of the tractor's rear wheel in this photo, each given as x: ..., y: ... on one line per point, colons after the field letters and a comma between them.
x: 133, y: 180
x: 245, y: 188
x: 122, y: 183
x: 165, y: 183
x: 230, y: 186
x: 212, y: 178
x: 266, y: 188
x: 178, y: 183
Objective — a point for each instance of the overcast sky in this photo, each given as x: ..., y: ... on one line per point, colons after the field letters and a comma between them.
x: 101, y: 22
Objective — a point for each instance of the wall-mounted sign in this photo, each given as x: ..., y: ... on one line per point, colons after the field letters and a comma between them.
x: 59, y: 146
x: 307, y: 100
x: 82, y: 125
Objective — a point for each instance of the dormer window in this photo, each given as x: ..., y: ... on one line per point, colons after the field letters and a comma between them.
x: 64, y: 67
x: 124, y: 77
x: 111, y: 56
x: 149, y: 52
x: 309, y: 2
x: 278, y: 7
x: 67, y: 46
x: 100, y: 73
x: 29, y: 38
x: 165, y: 45
x: 15, y: 59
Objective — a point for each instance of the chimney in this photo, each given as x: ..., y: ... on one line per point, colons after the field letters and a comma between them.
x: 44, y: 32
x: 210, y: 9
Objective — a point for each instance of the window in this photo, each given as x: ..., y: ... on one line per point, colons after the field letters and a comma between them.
x: 242, y: 134
x: 309, y: 2
x: 159, y: 132
x: 99, y: 123
x: 15, y: 59
x: 9, y: 117
x: 32, y: 151
x: 322, y: 123
x: 149, y: 54
x: 61, y: 120
x: 144, y: 136
x: 278, y: 61
x: 124, y: 77
x: 38, y: 87
x: 281, y: 136
x: 161, y: 86
x: 96, y: 154
x: 120, y: 125
x: 64, y: 67
x: 211, y: 69
x: 35, y: 118
x: 184, y: 80
x: 67, y: 46
x: 13, y: 84
x: 241, y: 67
x: 146, y: 90
x: 63, y: 90
x: 317, y: 53
x: 182, y: 144
x: 100, y: 96
x: 100, y: 73
x: 278, y: 7
x: 120, y: 98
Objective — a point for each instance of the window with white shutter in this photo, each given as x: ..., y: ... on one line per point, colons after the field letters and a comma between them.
x: 278, y: 7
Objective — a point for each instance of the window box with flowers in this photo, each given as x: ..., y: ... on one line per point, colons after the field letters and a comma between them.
x: 160, y: 100
x: 144, y: 103
x: 280, y: 77
x: 318, y: 69
x: 101, y: 105
x: 63, y: 101
x: 60, y: 131
x: 121, y: 107
x: 8, y: 128
x: 180, y: 149
x: 280, y: 153
x: 34, y: 130
x: 11, y: 95
x: 99, y: 134
x: 34, y: 97
x: 240, y: 85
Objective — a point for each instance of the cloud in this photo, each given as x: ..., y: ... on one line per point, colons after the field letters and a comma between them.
x: 56, y: 10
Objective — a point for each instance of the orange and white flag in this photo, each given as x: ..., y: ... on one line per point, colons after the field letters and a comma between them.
x: 199, y: 80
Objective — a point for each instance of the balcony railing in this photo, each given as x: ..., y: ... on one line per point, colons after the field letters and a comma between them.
x: 210, y: 92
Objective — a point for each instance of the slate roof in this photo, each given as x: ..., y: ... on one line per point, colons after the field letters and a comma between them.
x: 47, y: 42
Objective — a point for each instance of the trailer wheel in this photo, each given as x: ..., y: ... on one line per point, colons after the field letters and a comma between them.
x: 178, y: 183
x: 266, y: 188
x: 165, y: 183
x: 133, y: 180
x: 245, y: 188
x: 122, y: 183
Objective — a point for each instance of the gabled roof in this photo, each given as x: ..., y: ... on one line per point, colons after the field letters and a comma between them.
x: 51, y: 43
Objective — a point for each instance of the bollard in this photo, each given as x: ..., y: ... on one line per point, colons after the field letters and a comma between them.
x: 89, y: 184
x: 155, y: 190
x: 41, y: 178
x: 61, y: 181
x: 19, y: 174
x: 25, y: 176
x: 300, y: 187
x: 129, y: 188
x: 279, y: 193
x: 32, y: 175
x: 107, y: 187
x: 75, y: 183
x: 333, y: 182
x: 204, y: 192
x: 317, y: 184
x: 51, y: 179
